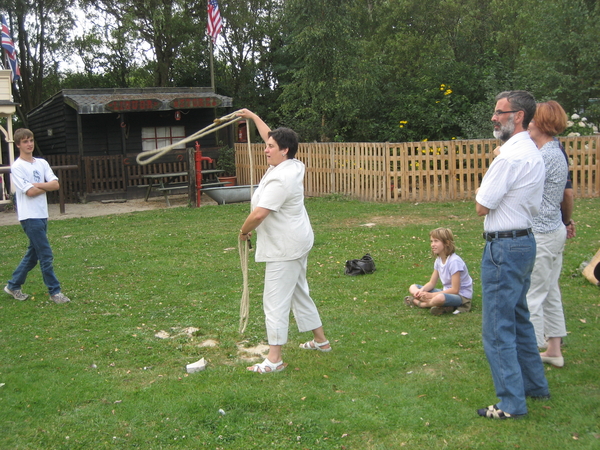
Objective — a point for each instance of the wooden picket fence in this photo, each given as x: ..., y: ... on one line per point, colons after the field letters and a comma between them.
x: 411, y: 171
x: 387, y: 172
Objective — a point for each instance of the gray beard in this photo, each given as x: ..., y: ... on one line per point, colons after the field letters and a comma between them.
x: 505, y: 132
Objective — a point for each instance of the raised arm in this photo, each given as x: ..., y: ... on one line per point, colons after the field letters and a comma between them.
x: 261, y: 126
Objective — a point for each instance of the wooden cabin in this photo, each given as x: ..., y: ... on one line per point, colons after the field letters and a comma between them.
x: 103, y: 130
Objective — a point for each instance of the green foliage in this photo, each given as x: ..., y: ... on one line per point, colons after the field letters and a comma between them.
x: 93, y: 374
x: 226, y: 161
x: 579, y: 126
x: 332, y: 70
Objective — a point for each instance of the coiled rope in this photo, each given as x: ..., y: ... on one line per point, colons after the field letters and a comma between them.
x: 152, y: 155
x: 243, y: 246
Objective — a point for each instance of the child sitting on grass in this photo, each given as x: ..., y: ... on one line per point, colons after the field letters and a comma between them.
x: 452, y: 271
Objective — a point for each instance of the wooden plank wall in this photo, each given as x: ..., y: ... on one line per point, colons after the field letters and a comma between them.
x: 412, y: 171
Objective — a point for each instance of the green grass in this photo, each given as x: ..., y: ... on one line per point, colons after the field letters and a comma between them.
x: 92, y: 374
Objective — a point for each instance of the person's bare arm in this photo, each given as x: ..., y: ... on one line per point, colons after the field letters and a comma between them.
x: 261, y: 126
x: 40, y: 188
x: 480, y: 209
x: 254, y: 219
x: 566, y: 209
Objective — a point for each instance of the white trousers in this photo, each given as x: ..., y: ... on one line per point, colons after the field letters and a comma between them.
x: 286, y: 288
x: 543, y: 298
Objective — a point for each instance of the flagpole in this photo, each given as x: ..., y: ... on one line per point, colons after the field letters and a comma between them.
x: 212, y: 68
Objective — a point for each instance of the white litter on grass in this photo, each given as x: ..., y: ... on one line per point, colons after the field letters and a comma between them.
x: 221, y: 412
x: 368, y: 225
x: 162, y: 334
x: 197, y: 366
x: 456, y: 311
x: 208, y: 343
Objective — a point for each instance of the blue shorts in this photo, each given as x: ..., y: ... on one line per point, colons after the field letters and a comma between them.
x: 449, y: 299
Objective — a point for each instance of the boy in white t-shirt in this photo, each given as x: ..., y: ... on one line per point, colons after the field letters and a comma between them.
x: 452, y: 271
x: 32, y: 178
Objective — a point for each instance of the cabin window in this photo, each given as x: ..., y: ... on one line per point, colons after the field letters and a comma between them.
x: 159, y: 137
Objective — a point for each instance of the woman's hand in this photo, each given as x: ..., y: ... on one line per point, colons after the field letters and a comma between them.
x: 571, y: 232
x: 245, y: 114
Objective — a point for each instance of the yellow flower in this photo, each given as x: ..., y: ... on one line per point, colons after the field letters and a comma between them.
x: 448, y: 92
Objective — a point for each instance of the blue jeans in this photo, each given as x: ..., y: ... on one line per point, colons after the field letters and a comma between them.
x: 38, y: 250
x: 508, y: 335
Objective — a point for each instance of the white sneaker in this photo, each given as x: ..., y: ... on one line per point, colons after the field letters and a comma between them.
x: 17, y: 293
x: 59, y: 298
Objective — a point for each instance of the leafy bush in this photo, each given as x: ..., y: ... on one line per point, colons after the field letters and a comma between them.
x: 579, y: 126
x: 226, y: 161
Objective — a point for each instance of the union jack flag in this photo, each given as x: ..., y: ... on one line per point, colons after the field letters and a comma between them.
x: 214, y: 24
x: 11, y: 54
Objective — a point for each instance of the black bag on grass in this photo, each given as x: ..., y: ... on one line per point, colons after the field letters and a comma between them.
x: 362, y: 266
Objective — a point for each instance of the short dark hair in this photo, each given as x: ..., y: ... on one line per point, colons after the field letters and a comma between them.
x: 20, y: 134
x: 520, y: 101
x: 550, y: 118
x: 286, y: 138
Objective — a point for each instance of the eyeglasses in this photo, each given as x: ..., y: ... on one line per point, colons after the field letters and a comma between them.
x: 499, y: 112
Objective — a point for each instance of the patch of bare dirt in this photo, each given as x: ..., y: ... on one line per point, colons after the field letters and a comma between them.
x: 94, y: 209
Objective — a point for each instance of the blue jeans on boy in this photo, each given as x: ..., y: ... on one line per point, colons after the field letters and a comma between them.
x: 508, y: 335
x: 38, y: 250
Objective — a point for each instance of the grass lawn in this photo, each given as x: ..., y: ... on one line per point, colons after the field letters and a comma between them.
x: 94, y: 374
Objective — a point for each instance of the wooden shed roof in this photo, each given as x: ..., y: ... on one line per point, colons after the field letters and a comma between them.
x: 103, y: 101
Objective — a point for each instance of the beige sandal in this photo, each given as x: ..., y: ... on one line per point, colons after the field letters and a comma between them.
x: 314, y: 345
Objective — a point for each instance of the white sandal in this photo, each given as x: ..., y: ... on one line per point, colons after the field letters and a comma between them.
x: 314, y: 345
x: 267, y: 367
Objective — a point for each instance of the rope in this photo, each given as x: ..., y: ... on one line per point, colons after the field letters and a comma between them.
x: 152, y: 155
x: 243, y: 248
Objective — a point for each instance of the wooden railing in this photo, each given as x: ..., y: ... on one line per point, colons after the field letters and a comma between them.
x: 110, y: 174
x: 412, y: 171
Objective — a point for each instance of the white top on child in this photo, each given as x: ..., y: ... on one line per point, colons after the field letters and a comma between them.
x: 454, y: 263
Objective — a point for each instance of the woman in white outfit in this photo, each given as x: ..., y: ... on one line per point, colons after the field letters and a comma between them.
x: 550, y: 230
x: 284, y: 238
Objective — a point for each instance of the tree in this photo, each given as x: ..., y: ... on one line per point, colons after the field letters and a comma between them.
x: 163, y: 25
x: 325, y: 82
x: 40, y: 28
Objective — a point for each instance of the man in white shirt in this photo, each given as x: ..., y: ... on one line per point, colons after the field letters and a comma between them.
x: 32, y: 178
x: 510, y: 196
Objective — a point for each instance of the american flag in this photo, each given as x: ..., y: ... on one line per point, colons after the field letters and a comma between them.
x: 11, y: 54
x: 214, y: 24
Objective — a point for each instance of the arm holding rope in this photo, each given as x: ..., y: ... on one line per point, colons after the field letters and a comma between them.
x: 261, y: 126
x: 254, y: 219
